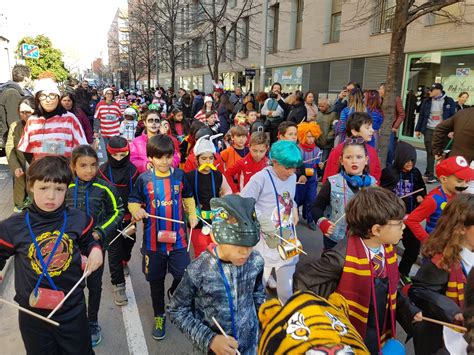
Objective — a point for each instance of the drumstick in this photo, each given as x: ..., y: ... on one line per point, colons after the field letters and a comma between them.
x: 20, y: 308
x: 121, y: 232
x: 166, y: 219
x: 294, y: 245
x: 450, y: 325
x: 412, y: 193
x: 86, y: 273
x: 223, y: 332
x: 340, y: 218
x: 204, y: 221
x: 190, y: 238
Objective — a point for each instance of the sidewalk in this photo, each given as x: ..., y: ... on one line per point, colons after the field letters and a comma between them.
x: 6, y: 204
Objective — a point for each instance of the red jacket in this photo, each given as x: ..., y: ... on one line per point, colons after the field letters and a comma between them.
x: 191, y: 163
x: 333, y: 164
x: 244, y: 168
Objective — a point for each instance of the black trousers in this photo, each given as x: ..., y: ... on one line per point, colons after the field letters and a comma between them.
x: 412, y: 249
x: 119, y: 251
x: 161, y: 262
x: 94, y: 285
x: 71, y: 337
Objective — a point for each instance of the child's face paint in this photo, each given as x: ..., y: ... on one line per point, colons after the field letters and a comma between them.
x: 152, y: 123
x: 48, y: 196
x: 354, y: 159
x: 85, y: 168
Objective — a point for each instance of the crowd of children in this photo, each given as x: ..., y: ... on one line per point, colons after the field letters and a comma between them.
x: 235, y: 199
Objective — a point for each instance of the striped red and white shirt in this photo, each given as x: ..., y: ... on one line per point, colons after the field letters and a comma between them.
x: 201, y: 116
x: 57, y: 135
x: 123, y: 103
x: 109, y: 117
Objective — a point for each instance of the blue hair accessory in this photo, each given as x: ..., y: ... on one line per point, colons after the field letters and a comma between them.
x: 357, y: 180
x: 286, y: 153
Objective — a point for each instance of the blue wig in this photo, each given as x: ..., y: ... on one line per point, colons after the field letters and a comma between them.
x: 286, y: 153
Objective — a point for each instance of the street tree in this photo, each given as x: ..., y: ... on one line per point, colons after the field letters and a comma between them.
x: 217, y: 22
x: 404, y: 14
x: 50, y: 58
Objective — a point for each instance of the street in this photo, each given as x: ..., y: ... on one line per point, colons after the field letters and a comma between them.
x: 127, y: 329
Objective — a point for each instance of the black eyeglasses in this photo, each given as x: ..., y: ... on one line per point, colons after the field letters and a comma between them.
x: 355, y: 140
x: 153, y: 120
x: 43, y: 97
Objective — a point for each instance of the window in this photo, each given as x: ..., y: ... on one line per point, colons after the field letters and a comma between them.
x: 245, y: 37
x: 384, y: 15
x: 232, y: 3
x: 336, y: 14
x: 449, y: 13
x: 275, y: 17
x: 299, y: 23
x: 232, y: 40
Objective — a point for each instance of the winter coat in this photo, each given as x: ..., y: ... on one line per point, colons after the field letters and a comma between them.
x: 298, y: 114
x: 325, y: 121
x: 449, y: 108
x: 11, y: 94
x: 138, y: 153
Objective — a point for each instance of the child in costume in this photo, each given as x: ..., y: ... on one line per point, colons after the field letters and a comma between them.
x: 363, y: 268
x: 251, y: 164
x: 129, y: 124
x: 309, y: 324
x: 180, y: 125
x: 225, y: 282
x: 97, y: 198
x: 119, y: 172
x: 238, y: 150
x: 288, y: 131
x: 359, y: 124
x: 403, y: 178
x: 191, y: 162
x: 47, y: 240
x: 307, y: 187
x: 438, y: 286
x: 329, y: 208
x: 206, y: 183
x: 161, y: 192
x: 453, y: 173
x: 274, y: 190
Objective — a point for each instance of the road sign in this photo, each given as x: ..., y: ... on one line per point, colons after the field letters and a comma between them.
x: 30, y: 51
x: 250, y: 72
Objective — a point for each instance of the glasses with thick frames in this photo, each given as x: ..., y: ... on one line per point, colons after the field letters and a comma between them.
x: 43, y: 97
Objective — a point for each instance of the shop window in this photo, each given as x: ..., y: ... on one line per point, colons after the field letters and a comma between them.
x: 384, y: 15
x: 299, y: 23
x: 336, y: 14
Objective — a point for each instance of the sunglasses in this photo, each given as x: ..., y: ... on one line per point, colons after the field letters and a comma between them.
x: 354, y: 140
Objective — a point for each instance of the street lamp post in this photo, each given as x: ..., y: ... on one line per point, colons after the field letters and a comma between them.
x: 9, y: 66
x: 263, y: 50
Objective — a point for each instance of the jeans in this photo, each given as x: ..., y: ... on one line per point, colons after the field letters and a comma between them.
x: 391, y: 149
x: 430, y: 161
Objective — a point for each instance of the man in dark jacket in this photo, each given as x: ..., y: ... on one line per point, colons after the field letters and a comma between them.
x: 435, y: 109
x: 11, y: 94
x: 325, y: 119
x: 198, y: 102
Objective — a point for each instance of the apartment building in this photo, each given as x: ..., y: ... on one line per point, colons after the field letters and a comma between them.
x: 117, y: 43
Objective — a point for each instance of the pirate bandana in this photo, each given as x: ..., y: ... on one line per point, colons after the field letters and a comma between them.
x: 234, y: 221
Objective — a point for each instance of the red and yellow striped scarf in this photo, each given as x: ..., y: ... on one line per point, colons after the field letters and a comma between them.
x: 456, y: 281
x: 356, y: 285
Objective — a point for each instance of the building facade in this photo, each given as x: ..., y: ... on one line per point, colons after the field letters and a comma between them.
x: 117, y: 43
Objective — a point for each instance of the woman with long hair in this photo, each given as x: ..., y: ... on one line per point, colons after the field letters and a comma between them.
x: 438, y: 286
x: 355, y: 104
x: 68, y: 101
x: 373, y: 103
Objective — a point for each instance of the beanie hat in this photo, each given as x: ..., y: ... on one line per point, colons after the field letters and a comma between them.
x: 207, y: 99
x: 47, y: 86
x: 130, y: 112
x: 308, y: 322
x: 244, y: 229
x: 108, y: 89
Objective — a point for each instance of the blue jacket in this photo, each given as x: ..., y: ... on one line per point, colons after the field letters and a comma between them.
x: 449, y: 109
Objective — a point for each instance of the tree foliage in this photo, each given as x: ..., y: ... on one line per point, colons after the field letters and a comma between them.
x: 50, y: 58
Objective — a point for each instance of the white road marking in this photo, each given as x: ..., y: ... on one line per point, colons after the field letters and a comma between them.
x: 133, y: 324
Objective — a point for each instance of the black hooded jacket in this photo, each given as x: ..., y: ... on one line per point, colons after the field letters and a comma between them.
x: 400, y: 182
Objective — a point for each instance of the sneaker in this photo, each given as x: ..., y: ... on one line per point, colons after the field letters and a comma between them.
x: 431, y: 180
x: 159, y: 330
x: 405, y: 280
x: 120, y: 298
x: 312, y: 226
x: 96, y: 336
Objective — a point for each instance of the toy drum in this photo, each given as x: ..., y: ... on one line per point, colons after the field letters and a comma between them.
x: 287, y: 251
x: 83, y: 262
x: 309, y: 171
x: 206, y: 230
x: 46, y: 298
x: 167, y: 237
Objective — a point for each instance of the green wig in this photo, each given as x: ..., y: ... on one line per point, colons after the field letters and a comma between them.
x: 286, y: 153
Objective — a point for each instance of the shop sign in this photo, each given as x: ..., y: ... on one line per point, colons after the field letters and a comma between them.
x: 288, y: 75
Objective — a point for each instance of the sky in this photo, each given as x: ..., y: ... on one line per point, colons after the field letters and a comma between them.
x: 78, y: 28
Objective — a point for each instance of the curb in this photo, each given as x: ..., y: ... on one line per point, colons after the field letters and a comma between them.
x: 5, y: 273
